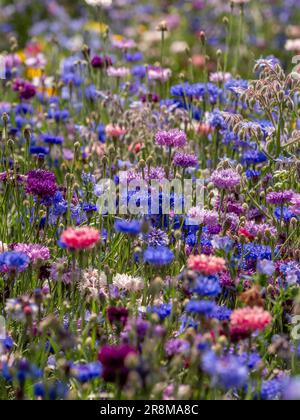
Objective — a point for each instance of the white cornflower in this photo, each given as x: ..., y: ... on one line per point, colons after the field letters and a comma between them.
x: 128, y: 283
x: 102, y: 3
x: 93, y: 283
x: 292, y: 45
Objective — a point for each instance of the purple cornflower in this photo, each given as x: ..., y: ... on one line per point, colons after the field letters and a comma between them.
x: 60, y: 271
x: 295, y: 204
x: 172, y: 138
x: 185, y: 160
x: 278, y: 198
x: 225, y: 179
x: 157, y: 173
x: 33, y: 251
x: 177, y: 346
x: 101, y: 62
x: 41, y: 184
x: 113, y: 361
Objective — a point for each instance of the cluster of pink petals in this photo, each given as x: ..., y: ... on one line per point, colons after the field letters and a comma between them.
x: 34, y: 251
x: 80, y: 238
x: 115, y: 131
x: 248, y: 320
x: 206, y: 264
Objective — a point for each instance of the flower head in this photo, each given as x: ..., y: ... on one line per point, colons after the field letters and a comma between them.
x: 13, y: 262
x: 225, y: 179
x: 205, y: 264
x: 172, y: 138
x: 41, y: 184
x: 80, y: 238
x: 248, y: 320
x: 34, y: 251
x: 160, y: 255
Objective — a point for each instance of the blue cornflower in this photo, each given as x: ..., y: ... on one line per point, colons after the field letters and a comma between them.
x: 139, y: 71
x: 13, y: 261
x: 128, y: 227
x: 285, y: 214
x: 266, y: 267
x: 207, y: 286
x: 88, y: 178
x: 251, y: 360
x: 58, y: 115
x: 160, y: 255
x: 89, y: 207
x: 91, y: 92
x: 38, y: 150
x: 87, y: 372
x: 252, y: 157
x: 101, y: 133
x: 180, y: 90
x: 133, y: 57
x: 273, y: 389
x: 216, y: 120
x: 221, y: 313
x: 7, y: 343
x: 291, y: 272
x: 253, y: 252
x: 200, y: 307
x: 226, y: 372
x: 251, y: 173
x: 51, y: 139
x: 163, y: 311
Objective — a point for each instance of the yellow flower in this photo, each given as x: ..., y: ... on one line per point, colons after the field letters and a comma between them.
x: 93, y: 26
x: 22, y: 56
x: 32, y: 73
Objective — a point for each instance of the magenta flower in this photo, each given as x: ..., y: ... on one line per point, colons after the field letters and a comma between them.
x: 172, y: 138
x: 185, y: 160
x: 41, y: 184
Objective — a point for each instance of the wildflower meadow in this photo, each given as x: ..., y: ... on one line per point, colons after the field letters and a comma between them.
x: 150, y: 201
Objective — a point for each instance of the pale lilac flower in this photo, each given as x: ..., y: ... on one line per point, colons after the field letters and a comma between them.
x: 225, y: 179
x: 158, y: 73
x: 119, y: 72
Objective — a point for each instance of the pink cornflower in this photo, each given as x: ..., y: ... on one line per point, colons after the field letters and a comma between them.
x: 225, y: 179
x: 158, y: 73
x: 80, y: 238
x: 205, y: 264
x: 115, y: 131
x: 34, y: 251
x: 120, y: 72
x: 248, y: 320
x: 172, y: 138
